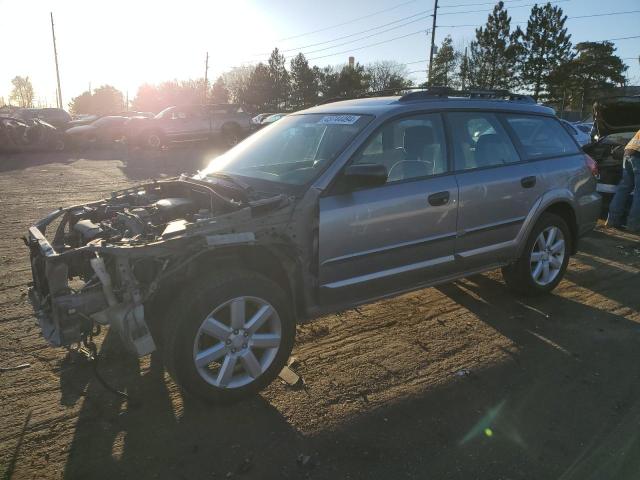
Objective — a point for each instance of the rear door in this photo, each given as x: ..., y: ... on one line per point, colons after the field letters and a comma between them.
x: 498, y: 189
x: 384, y: 239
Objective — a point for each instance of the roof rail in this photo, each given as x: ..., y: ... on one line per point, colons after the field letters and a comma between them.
x: 367, y: 94
x: 446, y: 92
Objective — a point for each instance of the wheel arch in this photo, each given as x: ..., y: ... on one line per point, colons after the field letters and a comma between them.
x: 277, y: 263
x: 566, y: 211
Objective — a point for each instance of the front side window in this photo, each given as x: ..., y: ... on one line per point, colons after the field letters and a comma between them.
x: 541, y: 136
x: 479, y: 141
x: 292, y: 150
x: 409, y: 147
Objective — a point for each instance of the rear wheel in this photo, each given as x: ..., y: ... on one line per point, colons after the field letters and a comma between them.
x: 229, y: 337
x: 544, y: 260
x: 153, y: 140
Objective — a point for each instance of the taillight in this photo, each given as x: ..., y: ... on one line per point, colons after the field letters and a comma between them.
x: 591, y: 165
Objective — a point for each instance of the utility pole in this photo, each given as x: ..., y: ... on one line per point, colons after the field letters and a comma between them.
x: 55, y: 55
x: 433, y: 39
x: 206, y: 77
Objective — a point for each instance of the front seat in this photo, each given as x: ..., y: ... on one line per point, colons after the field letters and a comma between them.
x: 417, y: 141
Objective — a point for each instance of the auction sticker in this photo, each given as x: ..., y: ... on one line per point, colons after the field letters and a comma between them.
x: 339, y: 119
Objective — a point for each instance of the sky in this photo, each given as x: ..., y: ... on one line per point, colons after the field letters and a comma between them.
x: 127, y: 43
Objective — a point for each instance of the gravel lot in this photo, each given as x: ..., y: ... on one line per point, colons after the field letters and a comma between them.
x: 464, y: 381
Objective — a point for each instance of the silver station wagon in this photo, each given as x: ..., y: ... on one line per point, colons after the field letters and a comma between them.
x: 326, y: 209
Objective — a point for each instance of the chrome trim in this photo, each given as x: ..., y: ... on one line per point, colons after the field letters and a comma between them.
x: 387, y: 273
x: 411, y: 243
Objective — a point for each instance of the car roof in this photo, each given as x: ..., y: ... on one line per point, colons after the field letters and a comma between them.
x: 382, y: 105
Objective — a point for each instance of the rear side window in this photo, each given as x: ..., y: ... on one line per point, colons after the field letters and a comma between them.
x: 541, y: 137
x: 479, y: 141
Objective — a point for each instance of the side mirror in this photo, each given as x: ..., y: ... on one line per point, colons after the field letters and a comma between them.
x: 365, y: 175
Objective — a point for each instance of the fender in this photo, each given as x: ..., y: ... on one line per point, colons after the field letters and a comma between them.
x: 548, y: 199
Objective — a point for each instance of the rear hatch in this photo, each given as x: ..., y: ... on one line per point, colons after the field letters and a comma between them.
x: 616, y: 119
x: 616, y: 115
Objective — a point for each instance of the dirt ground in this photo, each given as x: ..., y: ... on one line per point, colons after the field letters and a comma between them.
x: 464, y: 381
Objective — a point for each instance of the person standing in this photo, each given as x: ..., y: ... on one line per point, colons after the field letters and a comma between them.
x: 630, y: 183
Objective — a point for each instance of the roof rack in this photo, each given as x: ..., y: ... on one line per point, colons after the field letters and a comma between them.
x: 446, y: 92
x: 432, y: 93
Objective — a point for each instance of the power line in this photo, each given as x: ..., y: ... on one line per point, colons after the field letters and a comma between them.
x: 364, y: 38
x: 484, y: 10
x: 568, y: 18
x: 298, y: 49
x: 370, y: 45
x: 347, y: 22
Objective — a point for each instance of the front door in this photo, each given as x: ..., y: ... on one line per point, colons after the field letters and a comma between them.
x: 497, y: 189
x: 385, y: 239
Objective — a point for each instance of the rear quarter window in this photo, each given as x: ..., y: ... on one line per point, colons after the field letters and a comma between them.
x: 541, y: 137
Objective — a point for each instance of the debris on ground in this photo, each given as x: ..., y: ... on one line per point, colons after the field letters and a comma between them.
x: 245, y: 465
x: 305, y: 461
x: 464, y: 372
x: 291, y: 378
x: 22, y: 366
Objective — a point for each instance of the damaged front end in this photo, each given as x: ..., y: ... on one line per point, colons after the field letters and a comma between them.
x: 105, y: 261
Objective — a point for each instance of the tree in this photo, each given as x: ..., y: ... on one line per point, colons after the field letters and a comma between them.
x: 492, y: 58
x: 444, y: 64
x: 219, y: 92
x: 387, y: 75
x: 328, y: 79
x: 544, y: 47
x: 305, y: 82
x: 236, y: 81
x: 280, y: 82
x: 462, y: 77
x: 258, y: 92
x: 106, y: 100
x: 352, y: 81
x: 593, y: 72
x: 22, y: 92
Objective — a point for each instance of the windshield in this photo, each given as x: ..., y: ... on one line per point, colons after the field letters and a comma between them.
x: 165, y: 113
x: 291, y: 150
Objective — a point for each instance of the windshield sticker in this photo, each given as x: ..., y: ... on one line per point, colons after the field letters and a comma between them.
x: 339, y: 119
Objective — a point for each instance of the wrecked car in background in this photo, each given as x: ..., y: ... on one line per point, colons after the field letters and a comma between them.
x: 101, y: 132
x: 616, y: 120
x: 326, y: 209
x: 18, y: 135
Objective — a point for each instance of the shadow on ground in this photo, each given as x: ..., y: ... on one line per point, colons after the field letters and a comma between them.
x: 563, y: 406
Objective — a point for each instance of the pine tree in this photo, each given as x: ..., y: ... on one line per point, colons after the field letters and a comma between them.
x: 280, y: 82
x: 544, y: 47
x: 304, y: 83
x: 444, y: 64
x: 219, y: 91
x: 492, y: 58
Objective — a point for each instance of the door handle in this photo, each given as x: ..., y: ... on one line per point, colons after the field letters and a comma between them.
x: 528, y: 182
x: 439, y: 199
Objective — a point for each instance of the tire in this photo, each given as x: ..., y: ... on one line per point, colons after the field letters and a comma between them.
x: 153, y: 140
x: 190, y: 334
x: 529, y: 275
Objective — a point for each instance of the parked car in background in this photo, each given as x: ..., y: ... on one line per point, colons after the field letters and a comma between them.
x: 257, y: 120
x: 581, y: 137
x: 329, y: 208
x: 585, y: 127
x: 57, y: 117
x: 18, y: 135
x: 101, y: 132
x: 616, y: 120
x: 272, y: 119
x: 191, y: 123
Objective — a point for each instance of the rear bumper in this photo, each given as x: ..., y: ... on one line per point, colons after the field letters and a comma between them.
x: 588, y: 212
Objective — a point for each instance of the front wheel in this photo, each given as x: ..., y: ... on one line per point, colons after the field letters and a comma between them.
x: 544, y: 260
x: 229, y: 337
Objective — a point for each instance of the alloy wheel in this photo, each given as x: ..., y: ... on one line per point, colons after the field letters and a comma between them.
x: 237, y: 342
x: 547, y: 255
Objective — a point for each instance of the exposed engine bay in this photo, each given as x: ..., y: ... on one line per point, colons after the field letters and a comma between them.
x: 108, y: 258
